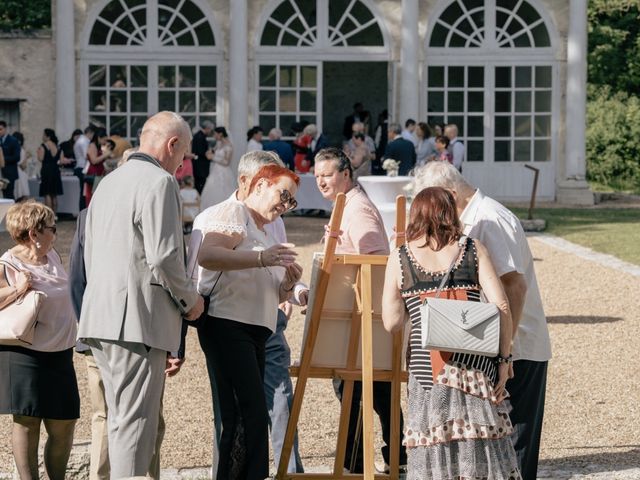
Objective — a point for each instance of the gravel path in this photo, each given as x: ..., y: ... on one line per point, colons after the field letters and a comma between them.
x: 593, y: 394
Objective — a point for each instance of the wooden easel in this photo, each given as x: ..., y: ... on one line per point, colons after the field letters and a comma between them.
x: 361, y: 316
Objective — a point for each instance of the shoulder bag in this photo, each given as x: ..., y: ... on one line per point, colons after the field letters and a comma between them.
x: 18, y: 319
x: 458, y: 325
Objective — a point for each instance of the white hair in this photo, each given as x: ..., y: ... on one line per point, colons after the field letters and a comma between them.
x: 438, y: 174
x: 275, y: 133
x: 311, y: 129
x: 251, y: 162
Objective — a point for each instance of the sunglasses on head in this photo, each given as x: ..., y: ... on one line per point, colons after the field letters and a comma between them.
x: 287, y: 199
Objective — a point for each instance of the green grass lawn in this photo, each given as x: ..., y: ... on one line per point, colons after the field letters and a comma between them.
x: 606, y: 230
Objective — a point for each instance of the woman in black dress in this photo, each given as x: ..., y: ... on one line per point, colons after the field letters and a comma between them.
x: 50, y: 180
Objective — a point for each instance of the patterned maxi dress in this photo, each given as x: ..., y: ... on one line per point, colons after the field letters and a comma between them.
x: 455, y: 429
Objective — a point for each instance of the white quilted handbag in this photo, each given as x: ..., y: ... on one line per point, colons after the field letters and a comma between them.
x: 458, y: 325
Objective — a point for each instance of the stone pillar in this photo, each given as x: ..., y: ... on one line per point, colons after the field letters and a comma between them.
x: 238, y: 73
x: 65, y: 69
x: 572, y: 187
x: 409, y: 77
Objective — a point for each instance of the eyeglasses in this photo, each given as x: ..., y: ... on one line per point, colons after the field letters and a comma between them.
x: 53, y: 228
x: 288, y: 200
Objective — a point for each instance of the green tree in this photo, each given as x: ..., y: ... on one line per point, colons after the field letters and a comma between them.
x: 25, y: 15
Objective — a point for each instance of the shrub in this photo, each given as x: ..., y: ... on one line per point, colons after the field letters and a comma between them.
x: 21, y: 15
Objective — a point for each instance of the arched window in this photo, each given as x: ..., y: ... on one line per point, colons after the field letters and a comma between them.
x: 143, y: 57
x: 490, y: 70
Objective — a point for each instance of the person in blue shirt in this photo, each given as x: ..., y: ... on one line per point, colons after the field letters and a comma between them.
x: 282, y: 148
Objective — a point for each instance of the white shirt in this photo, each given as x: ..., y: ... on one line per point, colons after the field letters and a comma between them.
x: 250, y: 295
x: 456, y: 148
x: 80, y: 150
x: 500, y: 231
x: 252, y: 145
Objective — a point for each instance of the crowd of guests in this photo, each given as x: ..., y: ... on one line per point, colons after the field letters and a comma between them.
x: 236, y: 285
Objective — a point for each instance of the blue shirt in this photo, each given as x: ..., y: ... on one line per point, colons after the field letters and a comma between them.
x: 284, y: 151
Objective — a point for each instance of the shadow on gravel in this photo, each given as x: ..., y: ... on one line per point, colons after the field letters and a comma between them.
x: 598, y: 462
x: 584, y: 319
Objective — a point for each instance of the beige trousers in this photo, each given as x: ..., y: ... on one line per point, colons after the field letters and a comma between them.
x: 99, y: 466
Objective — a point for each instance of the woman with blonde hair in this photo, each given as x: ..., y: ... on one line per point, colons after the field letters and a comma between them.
x: 38, y: 382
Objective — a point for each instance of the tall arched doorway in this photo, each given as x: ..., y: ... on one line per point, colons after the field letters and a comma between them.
x: 139, y: 58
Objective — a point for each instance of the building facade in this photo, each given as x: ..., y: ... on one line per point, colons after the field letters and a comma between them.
x: 510, y: 73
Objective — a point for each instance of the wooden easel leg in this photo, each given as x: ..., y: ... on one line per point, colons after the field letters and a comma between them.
x: 367, y: 373
x: 343, y: 428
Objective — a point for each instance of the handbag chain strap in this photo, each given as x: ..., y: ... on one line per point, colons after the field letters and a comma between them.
x: 10, y: 265
x: 445, y: 279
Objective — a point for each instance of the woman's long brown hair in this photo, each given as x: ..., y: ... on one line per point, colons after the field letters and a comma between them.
x: 433, y: 214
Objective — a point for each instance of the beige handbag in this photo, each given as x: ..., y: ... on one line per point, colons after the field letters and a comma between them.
x: 18, y: 319
x: 459, y: 325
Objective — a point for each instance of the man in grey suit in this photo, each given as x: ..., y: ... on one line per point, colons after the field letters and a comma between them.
x: 137, y: 288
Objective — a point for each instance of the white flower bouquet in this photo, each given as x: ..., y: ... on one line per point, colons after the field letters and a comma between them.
x: 391, y: 166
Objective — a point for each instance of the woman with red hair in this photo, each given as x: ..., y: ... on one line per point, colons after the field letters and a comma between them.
x: 458, y: 424
x: 247, y: 274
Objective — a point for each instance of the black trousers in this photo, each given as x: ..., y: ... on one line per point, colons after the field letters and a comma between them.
x: 382, y: 406
x: 238, y: 358
x: 527, y: 390
x: 82, y: 202
x: 198, y: 183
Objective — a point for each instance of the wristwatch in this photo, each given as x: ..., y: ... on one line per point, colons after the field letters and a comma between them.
x: 500, y: 359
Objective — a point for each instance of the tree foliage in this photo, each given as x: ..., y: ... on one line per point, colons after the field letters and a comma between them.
x: 25, y: 15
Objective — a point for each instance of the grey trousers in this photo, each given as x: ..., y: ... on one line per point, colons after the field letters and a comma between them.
x: 133, y: 376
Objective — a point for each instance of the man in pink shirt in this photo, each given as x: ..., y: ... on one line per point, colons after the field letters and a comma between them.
x: 362, y: 233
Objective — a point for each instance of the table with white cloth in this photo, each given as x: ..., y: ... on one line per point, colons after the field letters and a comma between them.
x: 382, y: 191
x: 309, y: 197
x: 69, y: 201
x: 5, y: 203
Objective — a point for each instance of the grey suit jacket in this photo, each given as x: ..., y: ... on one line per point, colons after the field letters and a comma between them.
x: 137, y: 285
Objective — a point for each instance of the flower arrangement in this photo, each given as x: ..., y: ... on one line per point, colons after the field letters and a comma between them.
x: 391, y: 166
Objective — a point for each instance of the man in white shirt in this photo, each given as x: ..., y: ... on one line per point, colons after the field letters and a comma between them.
x: 501, y: 233
x: 80, y: 154
x: 456, y: 147
x: 409, y: 131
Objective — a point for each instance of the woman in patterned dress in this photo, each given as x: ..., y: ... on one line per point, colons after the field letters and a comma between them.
x: 458, y: 424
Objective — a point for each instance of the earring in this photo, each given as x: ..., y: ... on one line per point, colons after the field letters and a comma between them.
x: 38, y: 245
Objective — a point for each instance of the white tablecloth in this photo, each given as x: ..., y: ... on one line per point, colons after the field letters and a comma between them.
x: 5, y: 203
x: 309, y: 197
x: 383, y: 192
x: 69, y: 201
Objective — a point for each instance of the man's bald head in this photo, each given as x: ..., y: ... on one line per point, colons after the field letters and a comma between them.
x: 166, y: 137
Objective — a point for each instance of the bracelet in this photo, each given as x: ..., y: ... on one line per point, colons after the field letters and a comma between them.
x: 260, y: 261
x: 500, y: 359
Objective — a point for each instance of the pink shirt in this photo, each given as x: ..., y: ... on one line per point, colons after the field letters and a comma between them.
x: 57, y: 325
x: 362, y: 228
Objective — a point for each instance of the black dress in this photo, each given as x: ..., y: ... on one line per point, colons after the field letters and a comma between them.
x: 50, y: 180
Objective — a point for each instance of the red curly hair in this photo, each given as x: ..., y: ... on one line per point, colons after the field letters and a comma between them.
x: 272, y: 173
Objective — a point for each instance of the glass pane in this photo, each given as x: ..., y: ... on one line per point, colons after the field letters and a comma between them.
x: 267, y: 101
x: 541, y: 36
x: 287, y: 101
x: 288, y: 76
x: 118, y: 123
x: 118, y: 76
x: 503, y: 101
x: 502, y: 151
x: 97, y: 100
x: 136, y: 126
x: 543, y: 102
x: 438, y: 36
x: 543, y: 126
x: 97, y: 76
x: 435, y: 102
x: 522, y: 126
x: 309, y: 119
x: 522, y: 151
x: 475, y: 126
x: 476, y: 77
x: 436, y: 77
x: 308, y: 101
x: 267, y: 122
x: 523, y: 101
x: 435, y: 120
x: 309, y: 77
x: 187, y: 102
x: 98, y: 121
x: 138, y: 76
x: 167, y: 101
x: 523, y: 77
x: 267, y: 75
x: 118, y: 102
x: 543, y: 77
x: 286, y: 121
x: 475, y: 151
x: 541, y: 150
x: 503, y: 77
x: 191, y: 121
x: 456, y: 76
x: 139, y: 102
x: 503, y: 126
x: 455, y: 102
x: 187, y: 76
x: 475, y: 102
x: 207, y: 101
x: 208, y: 76
x: 166, y: 76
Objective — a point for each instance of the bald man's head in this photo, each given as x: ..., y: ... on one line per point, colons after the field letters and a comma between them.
x: 166, y: 137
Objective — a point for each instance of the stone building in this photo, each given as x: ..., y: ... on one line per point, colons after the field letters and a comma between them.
x: 510, y: 73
